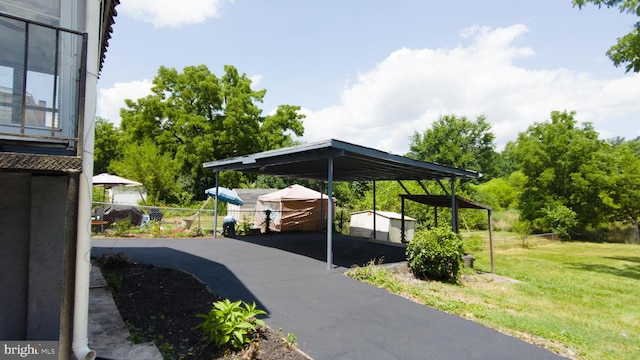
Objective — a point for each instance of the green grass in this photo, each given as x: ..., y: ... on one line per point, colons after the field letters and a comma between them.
x: 580, y: 299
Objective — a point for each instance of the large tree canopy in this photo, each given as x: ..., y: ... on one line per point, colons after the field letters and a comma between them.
x: 456, y: 141
x: 556, y: 157
x: 195, y: 116
x: 627, y: 49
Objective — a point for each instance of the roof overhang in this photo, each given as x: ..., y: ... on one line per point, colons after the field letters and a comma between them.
x: 350, y: 162
x: 445, y: 201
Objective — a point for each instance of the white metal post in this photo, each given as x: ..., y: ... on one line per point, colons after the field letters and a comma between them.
x: 330, y: 215
x: 215, y: 211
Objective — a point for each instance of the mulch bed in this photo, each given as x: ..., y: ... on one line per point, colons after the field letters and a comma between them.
x: 160, y: 305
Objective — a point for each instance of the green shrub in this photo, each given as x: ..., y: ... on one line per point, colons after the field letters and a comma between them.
x: 435, y: 254
x: 230, y: 324
x: 122, y: 227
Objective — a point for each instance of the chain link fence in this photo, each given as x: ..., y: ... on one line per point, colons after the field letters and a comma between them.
x: 118, y: 220
x: 152, y: 221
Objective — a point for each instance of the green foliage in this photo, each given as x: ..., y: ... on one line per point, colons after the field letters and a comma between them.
x: 376, y: 275
x: 456, y: 141
x: 472, y: 243
x: 435, y: 254
x: 122, y: 227
x: 598, y: 279
x: 522, y: 228
x: 559, y: 219
x: 114, y: 281
x: 387, y: 198
x: 570, y: 180
x: 555, y: 157
x: 289, y: 339
x: 627, y: 49
x: 146, y: 163
x: 231, y: 324
x: 106, y: 149
x: 498, y: 193
x: 193, y: 117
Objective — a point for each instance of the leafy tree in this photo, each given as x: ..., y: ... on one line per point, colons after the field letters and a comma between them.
x: 559, y: 219
x: 499, y: 193
x: 627, y: 49
x: 195, y: 116
x: 555, y: 157
x: 456, y: 141
x: 506, y: 161
x: 615, y: 173
x: 105, y: 146
x: 156, y: 170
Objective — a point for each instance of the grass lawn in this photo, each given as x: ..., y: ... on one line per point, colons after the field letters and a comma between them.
x: 580, y: 299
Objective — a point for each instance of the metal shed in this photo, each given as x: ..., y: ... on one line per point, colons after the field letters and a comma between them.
x: 390, y: 226
x: 335, y: 160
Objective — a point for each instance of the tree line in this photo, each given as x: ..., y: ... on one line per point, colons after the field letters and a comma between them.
x: 558, y: 174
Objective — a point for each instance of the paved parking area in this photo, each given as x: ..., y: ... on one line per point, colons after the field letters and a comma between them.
x: 333, y: 316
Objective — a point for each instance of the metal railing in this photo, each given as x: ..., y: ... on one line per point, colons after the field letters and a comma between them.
x: 42, y: 83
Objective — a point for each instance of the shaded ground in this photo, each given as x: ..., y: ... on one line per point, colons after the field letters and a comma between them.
x: 160, y: 305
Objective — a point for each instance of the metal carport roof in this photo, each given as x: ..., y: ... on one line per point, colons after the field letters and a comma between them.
x: 335, y: 160
x: 350, y: 162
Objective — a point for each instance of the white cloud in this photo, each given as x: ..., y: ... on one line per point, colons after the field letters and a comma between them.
x: 111, y: 100
x: 255, y: 80
x: 171, y: 13
x: 410, y: 89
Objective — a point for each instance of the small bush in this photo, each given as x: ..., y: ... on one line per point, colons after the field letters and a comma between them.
x: 122, y: 227
x: 230, y: 324
x: 435, y: 254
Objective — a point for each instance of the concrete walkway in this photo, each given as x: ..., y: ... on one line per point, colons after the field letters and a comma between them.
x: 333, y: 316
x: 107, y: 332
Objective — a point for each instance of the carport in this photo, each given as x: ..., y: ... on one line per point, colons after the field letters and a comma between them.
x: 335, y: 160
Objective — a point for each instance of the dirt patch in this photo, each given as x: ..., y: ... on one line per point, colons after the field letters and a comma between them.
x: 161, y: 304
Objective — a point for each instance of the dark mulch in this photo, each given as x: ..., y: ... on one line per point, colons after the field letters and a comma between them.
x: 160, y: 305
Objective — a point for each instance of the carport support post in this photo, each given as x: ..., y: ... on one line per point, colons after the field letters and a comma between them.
x: 215, y: 210
x: 402, y: 237
x: 491, y: 241
x: 454, y: 207
x: 374, y: 209
x: 330, y: 214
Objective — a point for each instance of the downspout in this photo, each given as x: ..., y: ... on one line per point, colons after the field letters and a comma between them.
x: 69, y: 259
x: 83, y: 252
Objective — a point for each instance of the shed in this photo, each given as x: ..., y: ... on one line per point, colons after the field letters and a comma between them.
x: 294, y: 208
x: 388, y: 226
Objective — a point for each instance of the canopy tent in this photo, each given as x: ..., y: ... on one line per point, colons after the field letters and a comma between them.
x: 109, y: 181
x: 294, y: 208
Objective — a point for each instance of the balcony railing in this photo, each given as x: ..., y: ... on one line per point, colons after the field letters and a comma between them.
x: 42, y: 83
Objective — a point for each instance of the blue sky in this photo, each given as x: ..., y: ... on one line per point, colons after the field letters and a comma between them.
x: 374, y: 72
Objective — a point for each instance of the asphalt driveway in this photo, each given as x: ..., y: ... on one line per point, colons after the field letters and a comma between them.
x: 333, y: 316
